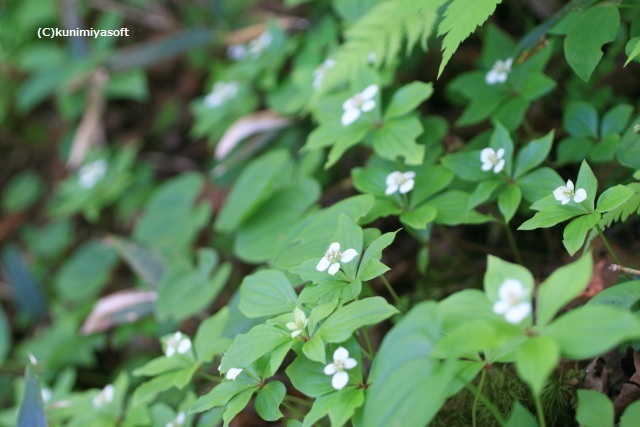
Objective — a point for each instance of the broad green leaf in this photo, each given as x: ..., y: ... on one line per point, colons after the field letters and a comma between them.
x: 464, y: 307
x: 631, y: 415
x: 539, y: 183
x: 407, y: 98
x: 329, y: 291
x: 460, y: 20
x: 535, y: 86
x: 562, y: 287
x: 148, y: 265
x: 623, y: 295
x: 419, y: 217
x: 256, y: 184
x: 162, y: 364
x: 314, y: 349
x: 370, y: 180
x: 594, y: 409
x: 547, y: 218
x: 498, y: 271
x: 532, y: 155
x: 628, y: 151
x: 236, y: 404
x: 25, y: 289
x: 22, y: 192
x: 345, y: 320
x: 370, y: 264
x: 583, y: 45
x: 576, y: 231
x: 452, y: 209
x: 483, y: 192
x: 615, y: 120
x: 581, y: 119
x: 308, y: 377
x: 346, y: 139
x: 509, y: 200
x: 632, y: 49
x: 511, y: 113
x: 591, y: 330
x: 466, y: 165
x: 246, y: 348
x: 588, y: 181
x: 574, y: 149
x: 478, y: 336
x: 345, y: 406
x: 429, y: 181
x: 209, y: 339
x: 536, y: 358
x: 320, y: 408
x: 320, y: 312
x: 397, y: 138
x: 521, y: 417
x: 268, y: 400
x: 500, y: 138
x: 222, y: 393
x: 403, y: 372
x: 267, y: 293
x: 31, y: 409
x: 613, y: 197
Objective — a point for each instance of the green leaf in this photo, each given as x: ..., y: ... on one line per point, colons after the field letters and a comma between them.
x: 632, y: 49
x: 616, y: 119
x: 581, y: 119
x: 623, y: 295
x: 397, y: 138
x: 256, y: 184
x: 452, y: 209
x: 374, y: 253
x: 209, y: 340
x: 532, y: 155
x: 320, y: 312
x: 583, y: 46
x: 403, y: 372
x: 562, y: 287
x: 536, y: 358
x: 500, y: 138
x: 370, y: 180
x: 498, y: 271
x: 521, y: 417
x: 430, y: 180
x: 547, y: 218
x: 267, y: 293
x: 576, y: 231
x: 162, y: 364
x: 419, y: 217
x: 268, y: 400
x: 466, y: 165
x: 236, y: 404
x: 222, y: 393
x: 308, y: 377
x: 594, y: 409
x: 588, y: 181
x: 314, y: 349
x: 345, y: 320
x: 511, y: 113
x: 464, y: 307
x: 539, y: 183
x: 613, y: 197
x: 246, y: 348
x: 407, y: 98
x: 591, y: 330
x: 148, y: 265
x: 320, y: 408
x: 483, y: 192
x: 509, y: 200
x: 31, y: 410
x: 343, y: 408
x: 5, y: 335
x: 22, y: 192
x: 460, y: 20
x: 346, y: 139
x: 631, y: 415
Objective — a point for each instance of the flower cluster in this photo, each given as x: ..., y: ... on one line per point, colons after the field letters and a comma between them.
x: 300, y: 322
x: 341, y: 362
x: 321, y: 71
x: 177, y: 343
x: 104, y: 397
x: 221, y: 93
x: 333, y: 257
x: 564, y: 194
x: 360, y: 103
x: 499, y: 72
x: 492, y: 159
x: 252, y: 49
x: 514, y: 304
x: 92, y: 173
x: 401, y: 182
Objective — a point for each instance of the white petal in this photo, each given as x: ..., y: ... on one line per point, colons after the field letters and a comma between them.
x: 487, y: 166
x: 512, y: 287
x: 501, y: 307
x: 391, y: 188
x: 341, y: 353
x: 392, y: 178
x: 501, y: 77
x: 409, y: 175
x: 350, y: 363
x: 299, y: 315
x: 407, y: 186
x: 368, y: 105
x: 323, y: 264
x: 492, y: 77
x: 292, y: 326
x: 499, y: 166
x: 339, y: 380
x: 330, y: 369
x: 500, y: 153
x: 570, y: 185
x: 370, y: 92
x: 518, y: 313
x: 507, y: 63
x: 334, y: 247
x: 296, y: 333
x: 184, y: 346
x: 487, y: 155
x: 559, y: 194
x: 233, y: 373
x: 350, y: 116
x: 170, y: 351
x: 177, y: 336
x: 580, y: 195
x: 108, y: 392
x: 348, y: 255
x: 334, y: 268
x: 349, y: 104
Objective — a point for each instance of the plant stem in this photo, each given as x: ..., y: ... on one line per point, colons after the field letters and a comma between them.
x: 297, y: 400
x: 539, y: 410
x: 367, y: 340
x: 512, y: 243
x: 400, y: 305
x: 481, y: 397
x: 292, y: 409
x: 607, y: 245
x: 209, y: 377
x: 474, y: 408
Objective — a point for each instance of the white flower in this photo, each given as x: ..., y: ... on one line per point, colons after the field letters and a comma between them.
x: 492, y: 159
x: 233, y: 373
x: 237, y: 52
x: 399, y: 181
x: 104, y: 397
x: 513, y: 303
x: 296, y: 327
x: 333, y: 257
x: 358, y: 104
x: 564, y: 194
x: 177, y: 344
x: 258, y: 45
x: 46, y: 394
x: 178, y: 421
x: 499, y: 72
x: 221, y: 93
x: 371, y: 58
x: 341, y: 361
x: 321, y: 71
x: 90, y: 174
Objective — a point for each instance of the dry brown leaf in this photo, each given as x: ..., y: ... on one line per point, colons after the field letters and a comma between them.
x: 262, y: 121
x: 630, y: 391
x: 121, y: 307
x: 249, y: 33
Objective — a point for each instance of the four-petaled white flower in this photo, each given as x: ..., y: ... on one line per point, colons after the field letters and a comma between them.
x: 300, y: 322
x: 360, y: 103
x: 565, y: 194
x: 221, y: 93
x: 177, y: 343
x: 492, y: 159
x: 91, y: 173
x: 178, y: 421
x: 333, y: 257
x: 321, y: 71
x: 400, y: 181
x: 237, y: 52
x: 104, y: 397
x: 513, y: 304
x: 499, y: 72
x: 341, y: 361
x: 233, y: 373
x: 259, y: 44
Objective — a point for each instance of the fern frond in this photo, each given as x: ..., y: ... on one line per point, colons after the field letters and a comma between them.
x: 460, y: 20
x: 621, y: 213
x: 384, y: 30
